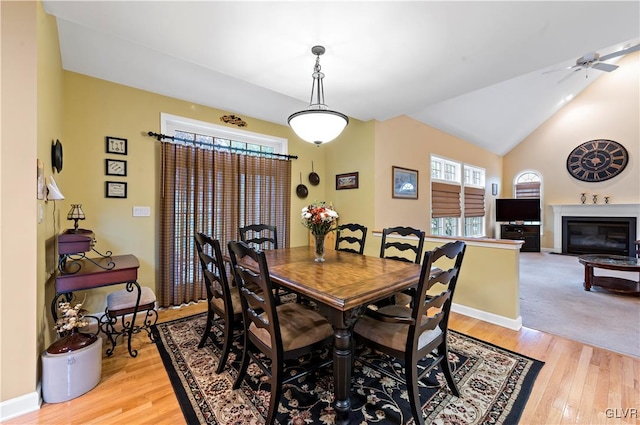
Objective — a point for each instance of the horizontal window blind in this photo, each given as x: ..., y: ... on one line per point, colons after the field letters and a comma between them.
x: 445, y: 200
x: 528, y: 190
x: 473, y: 202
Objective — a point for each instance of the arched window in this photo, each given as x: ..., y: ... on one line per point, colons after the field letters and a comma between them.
x: 528, y: 185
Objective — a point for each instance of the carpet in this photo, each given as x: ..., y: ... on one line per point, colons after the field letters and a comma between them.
x: 494, y: 383
x: 553, y: 300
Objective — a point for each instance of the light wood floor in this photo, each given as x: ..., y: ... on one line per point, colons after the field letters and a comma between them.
x: 577, y: 384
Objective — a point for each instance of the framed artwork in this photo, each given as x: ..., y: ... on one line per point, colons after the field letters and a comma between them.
x: 116, y: 145
x: 115, y: 167
x: 347, y: 181
x: 115, y: 190
x: 404, y: 183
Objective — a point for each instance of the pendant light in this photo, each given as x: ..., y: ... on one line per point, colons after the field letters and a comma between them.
x: 318, y: 124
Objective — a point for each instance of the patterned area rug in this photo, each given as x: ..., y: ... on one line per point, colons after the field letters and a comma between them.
x: 494, y: 384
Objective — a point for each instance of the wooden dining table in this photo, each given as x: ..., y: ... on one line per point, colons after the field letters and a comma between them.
x: 341, y: 287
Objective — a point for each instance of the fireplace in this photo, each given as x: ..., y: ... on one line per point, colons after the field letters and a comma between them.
x: 599, y: 235
x: 589, y: 231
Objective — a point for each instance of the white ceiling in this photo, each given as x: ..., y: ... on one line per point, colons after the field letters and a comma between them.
x: 472, y: 69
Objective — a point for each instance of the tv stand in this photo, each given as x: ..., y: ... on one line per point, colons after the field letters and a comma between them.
x: 529, y: 233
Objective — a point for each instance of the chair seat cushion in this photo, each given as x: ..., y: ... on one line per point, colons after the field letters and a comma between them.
x: 235, y: 301
x: 393, y: 335
x: 299, y: 327
x: 124, y: 299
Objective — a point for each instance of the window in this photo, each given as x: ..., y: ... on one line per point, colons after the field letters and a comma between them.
x: 214, y: 191
x: 457, y: 198
x: 527, y: 185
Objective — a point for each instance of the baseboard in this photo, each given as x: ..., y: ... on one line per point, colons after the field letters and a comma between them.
x: 505, y: 322
x: 19, y: 406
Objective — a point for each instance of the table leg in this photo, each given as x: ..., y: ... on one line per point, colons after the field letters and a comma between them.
x: 342, y: 360
x: 588, y: 277
x: 130, y: 285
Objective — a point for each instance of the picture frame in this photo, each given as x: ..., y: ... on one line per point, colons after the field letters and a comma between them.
x: 116, y: 145
x: 347, y: 181
x: 404, y: 183
x: 115, y: 167
x: 115, y: 189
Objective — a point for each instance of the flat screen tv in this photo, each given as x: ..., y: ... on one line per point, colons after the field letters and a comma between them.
x: 525, y: 209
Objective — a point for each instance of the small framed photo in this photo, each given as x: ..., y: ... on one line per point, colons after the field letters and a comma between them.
x: 404, y: 183
x: 116, y: 145
x: 347, y: 181
x: 115, y: 190
x: 115, y: 167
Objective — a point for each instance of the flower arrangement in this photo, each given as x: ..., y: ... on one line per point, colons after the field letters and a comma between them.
x: 70, y: 317
x: 319, y: 218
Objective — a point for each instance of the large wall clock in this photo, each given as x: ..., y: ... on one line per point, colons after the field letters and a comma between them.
x: 597, y: 160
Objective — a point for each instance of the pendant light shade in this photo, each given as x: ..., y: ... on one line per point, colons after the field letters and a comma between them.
x: 318, y: 124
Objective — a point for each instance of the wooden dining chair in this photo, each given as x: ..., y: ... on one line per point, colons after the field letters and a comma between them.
x: 263, y: 236
x: 281, y: 332
x: 351, y: 238
x: 412, y: 334
x: 406, y: 250
x: 223, y: 300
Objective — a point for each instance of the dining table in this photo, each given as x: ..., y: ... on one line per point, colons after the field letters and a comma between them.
x: 342, y: 287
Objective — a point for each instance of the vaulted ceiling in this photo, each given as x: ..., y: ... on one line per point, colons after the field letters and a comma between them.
x: 473, y: 69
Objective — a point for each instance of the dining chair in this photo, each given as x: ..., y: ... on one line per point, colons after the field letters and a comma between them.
x: 350, y: 238
x: 263, y: 236
x: 408, y: 250
x: 223, y: 300
x: 413, y: 334
x: 280, y: 332
x: 405, y: 250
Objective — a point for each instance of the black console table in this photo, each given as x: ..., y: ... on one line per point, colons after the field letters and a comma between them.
x: 529, y: 233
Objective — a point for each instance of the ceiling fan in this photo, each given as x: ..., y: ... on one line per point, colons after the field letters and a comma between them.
x: 595, y: 61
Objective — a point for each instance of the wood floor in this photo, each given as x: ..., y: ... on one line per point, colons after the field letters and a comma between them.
x: 578, y: 384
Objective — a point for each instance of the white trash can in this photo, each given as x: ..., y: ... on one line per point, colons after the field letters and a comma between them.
x: 69, y: 375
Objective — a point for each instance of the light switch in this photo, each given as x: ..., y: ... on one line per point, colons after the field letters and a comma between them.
x: 141, y: 211
x: 40, y: 213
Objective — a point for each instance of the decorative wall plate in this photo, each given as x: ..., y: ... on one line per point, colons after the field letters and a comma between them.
x: 597, y: 160
x: 56, y: 156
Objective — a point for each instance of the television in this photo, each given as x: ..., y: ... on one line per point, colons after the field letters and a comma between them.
x: 524, y: 209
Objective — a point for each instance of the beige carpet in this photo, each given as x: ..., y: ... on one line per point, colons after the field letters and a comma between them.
x: 553, y: 300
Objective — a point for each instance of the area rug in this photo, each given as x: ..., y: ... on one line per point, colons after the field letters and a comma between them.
x: 494, y: 384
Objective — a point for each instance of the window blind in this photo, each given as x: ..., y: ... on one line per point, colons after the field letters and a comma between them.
x: 473, y: 202
x: 528, y: 190
x: 445, y: 200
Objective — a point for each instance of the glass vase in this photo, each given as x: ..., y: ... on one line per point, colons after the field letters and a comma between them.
x: 319, y: 248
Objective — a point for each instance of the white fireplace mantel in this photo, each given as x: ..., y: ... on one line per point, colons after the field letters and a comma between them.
x: 591, y: 210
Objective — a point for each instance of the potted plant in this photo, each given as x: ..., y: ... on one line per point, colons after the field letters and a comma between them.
x: 320, y: 218
x: 70, y: 319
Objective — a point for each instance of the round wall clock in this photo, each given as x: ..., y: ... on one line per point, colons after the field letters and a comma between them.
x: 597, y: 160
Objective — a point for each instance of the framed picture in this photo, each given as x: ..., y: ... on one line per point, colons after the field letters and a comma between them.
x: 347, y: 181
x: 404, y: 183
x: 116, y: 145
x: 115, y: 190
x: 115, y: 167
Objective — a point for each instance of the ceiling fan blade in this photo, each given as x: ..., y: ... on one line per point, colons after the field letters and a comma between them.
x: 559, y: 69
x: 607, y: 67
x: 620, y: 52
x: 566, y: 77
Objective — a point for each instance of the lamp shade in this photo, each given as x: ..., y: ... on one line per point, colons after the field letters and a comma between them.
x: 318, y: 126
x: 76, y: 212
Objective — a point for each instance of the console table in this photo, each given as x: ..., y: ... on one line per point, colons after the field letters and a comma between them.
x: 76, y: 272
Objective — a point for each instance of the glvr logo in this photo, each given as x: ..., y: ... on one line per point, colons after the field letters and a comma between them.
x: 629, y: 412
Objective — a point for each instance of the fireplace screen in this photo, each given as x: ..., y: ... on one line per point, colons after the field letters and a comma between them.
x: 593, y: 235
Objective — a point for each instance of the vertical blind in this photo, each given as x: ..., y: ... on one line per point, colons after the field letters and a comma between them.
x: 214, y: 192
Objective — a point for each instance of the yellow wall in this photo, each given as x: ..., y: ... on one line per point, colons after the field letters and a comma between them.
x: 18, y: 255
x: 96, y: 108
x: 608, y: 109
x: 407, y: 143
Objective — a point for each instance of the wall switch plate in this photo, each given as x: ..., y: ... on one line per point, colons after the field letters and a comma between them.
x: 40, y: 213
x: 141, y: 211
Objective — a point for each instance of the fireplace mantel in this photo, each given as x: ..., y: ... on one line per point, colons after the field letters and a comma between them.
x: 590, y: 210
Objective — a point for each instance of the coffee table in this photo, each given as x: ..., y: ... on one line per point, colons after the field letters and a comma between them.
x: 610, y: 262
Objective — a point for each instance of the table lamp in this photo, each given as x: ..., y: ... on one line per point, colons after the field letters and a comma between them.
x: 76, y: 214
